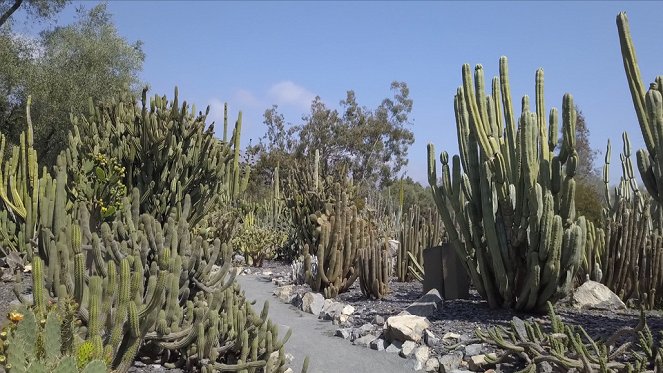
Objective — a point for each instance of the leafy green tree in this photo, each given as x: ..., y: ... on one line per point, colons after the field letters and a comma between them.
x: 589, y: 185
x: 370, y: 144
x: 38, y: 9
x: 62, y: 69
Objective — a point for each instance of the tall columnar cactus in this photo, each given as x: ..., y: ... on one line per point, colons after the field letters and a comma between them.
x: 630, y: 259
x: 328, y: 227
x: 342, y: 232
x: 19, y: 193
x: 508, y: 201
x: 418, y: 231
x: 649, y: 110
x: 374, y: 270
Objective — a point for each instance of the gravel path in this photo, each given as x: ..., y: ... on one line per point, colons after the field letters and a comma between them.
x: 313, y: 337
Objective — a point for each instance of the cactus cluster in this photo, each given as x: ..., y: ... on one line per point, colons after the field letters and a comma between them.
x: 627, y: 254
x: 166, y: 150
x: 418, y: 231
x: 328, y: 227
x: 508, y: 200
x: 143, y: 280
x: 374, y: 270
x: 19, y: 193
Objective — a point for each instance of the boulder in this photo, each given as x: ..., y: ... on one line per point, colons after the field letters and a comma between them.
x: 285, y: 293
x: 595, y: 295
x: 313, y: 303
x: 432, y: 365
x: 421, y: 356
x: 365, y: 341
x: 406, y: 327
x: 407, y: 349
x: 450, y: 361
x: 427, y: 305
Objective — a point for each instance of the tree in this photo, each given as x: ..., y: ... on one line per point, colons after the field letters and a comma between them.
x: 369, y: 144
x: 67, y: 66
x: 40, y: 9
x: 589, y: 185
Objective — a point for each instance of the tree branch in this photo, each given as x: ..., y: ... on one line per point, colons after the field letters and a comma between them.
x: 5, y: 16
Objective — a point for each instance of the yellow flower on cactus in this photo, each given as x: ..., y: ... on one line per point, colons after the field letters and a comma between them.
x: 15, y: 316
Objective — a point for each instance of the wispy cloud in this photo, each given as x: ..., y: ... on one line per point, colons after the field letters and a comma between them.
x: 245, y: 98
x: 289, y: 93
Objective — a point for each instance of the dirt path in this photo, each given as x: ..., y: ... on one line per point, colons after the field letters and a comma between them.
x: 313, y: 337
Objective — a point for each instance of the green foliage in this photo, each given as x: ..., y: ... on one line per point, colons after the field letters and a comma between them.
x: 370, y: 144
x: 56, y: 69
x: 40, y: 9
x: 569, y: 347
x: 508, y: 202
x: 589, y: 200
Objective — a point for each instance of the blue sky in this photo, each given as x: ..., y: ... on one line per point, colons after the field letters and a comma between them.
x: 255, y: 54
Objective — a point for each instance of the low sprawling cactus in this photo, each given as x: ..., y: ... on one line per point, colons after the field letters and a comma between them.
x: 569, y: 348
x: 508, y: 201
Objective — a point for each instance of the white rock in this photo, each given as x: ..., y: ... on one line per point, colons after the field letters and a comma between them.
x: 408, y: 348
x: 313, y: 303
x: 365, y: 340
x: 450, y: 361
x: 593, y: 294
x: 421, y: 355
x: 432, y: 365
x: 285, y: 293
x: 478, y: 363
x: 347, y: 310
x: 406, y: 327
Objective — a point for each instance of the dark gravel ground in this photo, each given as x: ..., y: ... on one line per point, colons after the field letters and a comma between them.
x: 464, y: 316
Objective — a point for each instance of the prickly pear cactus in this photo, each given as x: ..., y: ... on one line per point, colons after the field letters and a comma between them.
x: 36, y: 346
